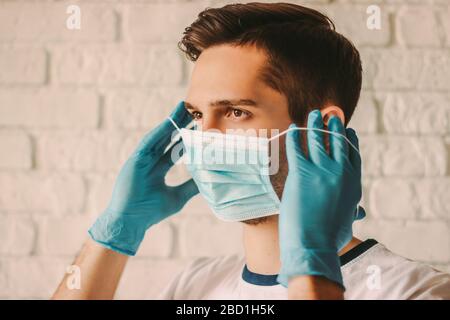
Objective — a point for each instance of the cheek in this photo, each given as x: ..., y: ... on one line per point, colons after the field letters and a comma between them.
x: 278, y: 179
x: 326, y: 140
x: 274, y: 121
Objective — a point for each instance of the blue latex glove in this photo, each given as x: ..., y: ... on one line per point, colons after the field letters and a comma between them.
x: 141, y: 198
x: 319, y: 201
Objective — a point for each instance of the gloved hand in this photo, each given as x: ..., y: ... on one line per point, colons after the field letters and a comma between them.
x: 319, y: 201
x: 141, y: 198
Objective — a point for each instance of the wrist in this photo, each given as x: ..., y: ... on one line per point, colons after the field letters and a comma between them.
x: 117, y: 233
x: 310, y: 262
x: 314, y: 288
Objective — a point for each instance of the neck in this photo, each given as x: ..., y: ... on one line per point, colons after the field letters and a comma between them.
x: 261, y: 246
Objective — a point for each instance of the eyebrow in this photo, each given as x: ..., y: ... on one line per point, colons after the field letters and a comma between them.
x: 225, y: 103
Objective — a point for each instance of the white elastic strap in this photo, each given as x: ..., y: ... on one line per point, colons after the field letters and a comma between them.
x: 291, y: 129
x: 315, y: 129
x: 189, y: 126
x: 173, y: 122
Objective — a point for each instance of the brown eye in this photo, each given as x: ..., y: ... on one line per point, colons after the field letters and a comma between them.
x: 196, y: 115
x: 237, y: 113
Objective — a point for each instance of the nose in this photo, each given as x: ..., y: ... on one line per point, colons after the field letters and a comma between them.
x: 210, y: 122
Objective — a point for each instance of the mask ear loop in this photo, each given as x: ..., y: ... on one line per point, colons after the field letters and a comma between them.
x: 189, y: 126
x: 174, y: 124
x: 315, y: 129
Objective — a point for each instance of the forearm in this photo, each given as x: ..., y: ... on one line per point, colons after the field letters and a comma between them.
x: 100, y: 272
x: 314, y: 288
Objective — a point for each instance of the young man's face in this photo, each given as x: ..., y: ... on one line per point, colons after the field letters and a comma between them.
x: 228, y: 74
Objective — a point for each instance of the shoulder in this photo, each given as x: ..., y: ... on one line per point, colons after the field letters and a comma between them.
x: 398, y: 277
x: 202, y: 274
x: 213, y: 264
x: 217, y: 268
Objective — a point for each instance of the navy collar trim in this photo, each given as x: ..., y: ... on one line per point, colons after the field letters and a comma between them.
x: 271, y: 279
x: 259, y: 279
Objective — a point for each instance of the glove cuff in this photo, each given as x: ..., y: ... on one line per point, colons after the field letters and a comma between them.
x: 110, y: 231
x: 311, y: 263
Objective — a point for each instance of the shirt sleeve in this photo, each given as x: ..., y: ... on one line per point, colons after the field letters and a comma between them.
x: 436, y: 288
x: 185, y: 281
x: 168, y: 293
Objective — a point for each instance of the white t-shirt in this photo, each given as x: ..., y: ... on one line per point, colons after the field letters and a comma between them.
x: 369, y: 271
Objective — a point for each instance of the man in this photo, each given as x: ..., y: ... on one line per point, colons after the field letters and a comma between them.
x: 262, y: 66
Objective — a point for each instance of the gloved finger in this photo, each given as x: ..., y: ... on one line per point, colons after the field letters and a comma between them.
x: 355, y: 157
x: 316, y: 147
x: 338, y: 145
x: 169, y: 158
x: 185, y: 191
x: 360, y: 213
x: 294, y: 151
x: 155, y: 141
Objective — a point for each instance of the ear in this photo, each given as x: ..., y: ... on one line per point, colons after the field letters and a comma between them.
x: 330, y: 111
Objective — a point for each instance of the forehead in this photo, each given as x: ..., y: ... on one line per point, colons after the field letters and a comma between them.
x: 227, y: 70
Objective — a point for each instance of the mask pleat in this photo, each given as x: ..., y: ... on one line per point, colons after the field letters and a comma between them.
x: 242, y: 168
x: 219, y: 193
x: 214, y: 176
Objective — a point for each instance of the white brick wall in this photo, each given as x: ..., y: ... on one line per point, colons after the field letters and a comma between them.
x: 73, y: 104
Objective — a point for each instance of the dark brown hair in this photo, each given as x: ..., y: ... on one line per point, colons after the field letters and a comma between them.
x: 308, y: 61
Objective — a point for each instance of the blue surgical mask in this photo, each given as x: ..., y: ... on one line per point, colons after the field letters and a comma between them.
x: 233, y: 172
